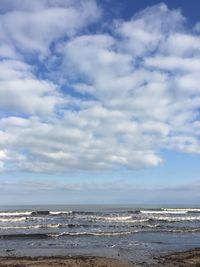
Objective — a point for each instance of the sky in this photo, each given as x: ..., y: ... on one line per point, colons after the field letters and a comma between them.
x: 99, y: 102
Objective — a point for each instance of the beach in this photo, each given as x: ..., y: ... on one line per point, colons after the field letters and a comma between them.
x: 70, y: 261
x: 183, y: 259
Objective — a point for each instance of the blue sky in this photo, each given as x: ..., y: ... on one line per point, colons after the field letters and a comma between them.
x: 99, y: 102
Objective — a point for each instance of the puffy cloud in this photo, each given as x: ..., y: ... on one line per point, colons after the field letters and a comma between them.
x: 107, y: 100
x: 22, y: 92
x: 147, y: 30
x: 182, y: 44
x: 173, y: 63
x: 33, y: 27
x: 88, y: 141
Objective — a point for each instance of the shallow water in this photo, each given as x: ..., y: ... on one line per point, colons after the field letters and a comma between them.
x: 129, y: 233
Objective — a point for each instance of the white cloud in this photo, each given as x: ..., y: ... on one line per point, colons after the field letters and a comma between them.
x: 30, y: 96
x: 32, y: 27
x: 21, y: 91
x: 171, y: 63
x: 181, y: 44
x: 105, y: 100
x: 148, y: 29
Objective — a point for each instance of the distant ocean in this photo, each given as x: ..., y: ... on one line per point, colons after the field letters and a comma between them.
x: 125, y: 232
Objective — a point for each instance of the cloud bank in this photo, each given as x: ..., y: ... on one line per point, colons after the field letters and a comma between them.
x: 76, y: 96
x: 115, y: 192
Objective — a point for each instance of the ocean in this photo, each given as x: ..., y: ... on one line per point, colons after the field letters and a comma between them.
x: 126, y: 232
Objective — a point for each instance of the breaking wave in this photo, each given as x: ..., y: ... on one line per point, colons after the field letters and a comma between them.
x: 20, y: 213
x: 13, y: 219
x: 31, y: 227
x: 174, y: 219
x: 92, y: 233
x: 164, y: 211
x: 112, y: 219
x: 170, y: 211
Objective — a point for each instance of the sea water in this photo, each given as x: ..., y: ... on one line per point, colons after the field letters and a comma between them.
x: 126, y: 232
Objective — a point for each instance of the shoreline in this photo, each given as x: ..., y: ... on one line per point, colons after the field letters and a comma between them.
x: 180, y: 258
x: 185, y: 258
x: 64, y: 261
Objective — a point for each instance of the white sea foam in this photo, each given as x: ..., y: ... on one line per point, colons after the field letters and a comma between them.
x: 20, y: 213
x: 192, y: 230
x: 163, y: 211
x: 176, y: 219
x: 138, y: 221
x: 183, y: 210
x: 112, y: 219
x: 13, y: 219
x: 30, y: 227
x: 60, y: 212
x: 118, y: 219
x: 93, y: 233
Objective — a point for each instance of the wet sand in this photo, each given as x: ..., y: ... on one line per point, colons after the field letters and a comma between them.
x: 181, y: 259
x: 70, y: 261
